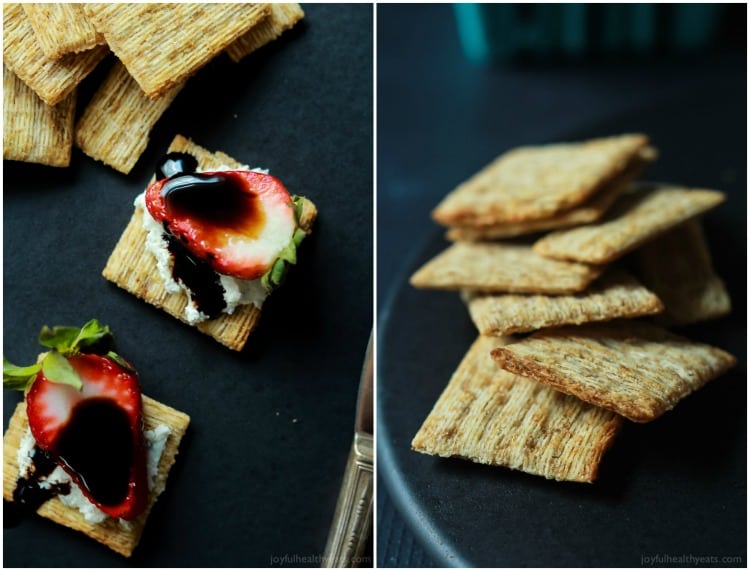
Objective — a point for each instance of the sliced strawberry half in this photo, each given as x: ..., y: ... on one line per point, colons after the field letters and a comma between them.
x: 95, y: 433
x: 83, y: 404
x: 239, y: 222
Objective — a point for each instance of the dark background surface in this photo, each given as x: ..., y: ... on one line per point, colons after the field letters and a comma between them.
x: 674, y: 487
x: 259, y: 471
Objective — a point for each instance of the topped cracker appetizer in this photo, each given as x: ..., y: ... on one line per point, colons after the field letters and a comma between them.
x: 210, y: 239
x: 86, y: 449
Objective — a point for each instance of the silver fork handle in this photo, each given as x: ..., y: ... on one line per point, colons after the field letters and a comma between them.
x: 352, y: 520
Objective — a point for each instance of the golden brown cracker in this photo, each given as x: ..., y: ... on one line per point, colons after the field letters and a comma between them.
x: 133, y: 268
x: 162, y: 45
x: 635, y: 219
x: 634, y: 369
x: 32, y: 130
x: 591, y: 211
x: 121, y: 538
x: 532, y: 183
x: 52, y: 80
x: 490, y: 416
x: 282, y: 18
x: 61, y: 28
x: 501, y: 267
x: 678, y: 267
x: 116, y: 124
x: 614, y: 295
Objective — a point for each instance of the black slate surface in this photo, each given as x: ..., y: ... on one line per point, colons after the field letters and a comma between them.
x: 258, y: 474
x: 668, y: 491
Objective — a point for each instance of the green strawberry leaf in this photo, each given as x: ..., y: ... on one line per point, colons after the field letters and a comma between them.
x: 59, y: 337
x: 18, y: 378
x: 57, y: 369
x: 299, y: 235
x: 94, y: 338
x: 120, y: 361
x: 91, y: 338
x: 298, y: 202
x: 289, y: 254
x: 63, y: 342
x: 278, y: 272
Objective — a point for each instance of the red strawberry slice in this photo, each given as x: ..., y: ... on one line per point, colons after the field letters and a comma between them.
x: 96, y: 433
x: 236, y: 221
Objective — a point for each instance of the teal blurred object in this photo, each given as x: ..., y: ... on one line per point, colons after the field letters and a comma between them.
x: 492, y: 33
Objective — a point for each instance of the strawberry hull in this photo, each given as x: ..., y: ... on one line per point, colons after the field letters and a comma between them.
x: 236, y: 221
x: 95, y: 434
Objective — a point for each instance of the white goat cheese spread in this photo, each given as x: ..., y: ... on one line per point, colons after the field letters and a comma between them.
x: 155, y: 440
x: 236, y: 292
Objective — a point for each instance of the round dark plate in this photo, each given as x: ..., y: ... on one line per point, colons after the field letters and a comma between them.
x: 258, y: 474
x: 671, y: 487
x: 671, y: 492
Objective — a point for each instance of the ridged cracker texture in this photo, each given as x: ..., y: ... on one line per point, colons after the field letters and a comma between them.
x: 532, y: 183
x: 490, y: 416
x: 282, y: 18
x: 614, y: 295
x: 678, y: 267
x: 591, y: 211
x: 162, y: 45
x: 635, y: 369
x: 33, y: 131
x: 133, y: 268
x: 61, y: 28
x: 636, y: 218
x: 119, y: 538
x: 115, y: 126
x: 52, y: 80
x: 501, y: 267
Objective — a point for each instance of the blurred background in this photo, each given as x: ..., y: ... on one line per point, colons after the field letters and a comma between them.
x: 458, y: 85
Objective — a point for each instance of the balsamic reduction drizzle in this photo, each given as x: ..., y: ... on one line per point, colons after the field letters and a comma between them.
x: 97, y: 444
x: 218, y: 201
x: 173, y: 164
x: 198, y: 276
x: 29, y: 495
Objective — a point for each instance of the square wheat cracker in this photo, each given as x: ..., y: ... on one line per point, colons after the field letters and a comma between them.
x: 115, y: 126
x: 52, y: 80
x: 635, y: 219
x: 133, y: 268
x: 637, y: 370
x: 532, y: 183
x: 591, y: 211
x: 122, y: 539
x: 32, y: 130
x: 162, y: 45
x: 614, y: 295
x: 61, y: 28
x: 283, y: 17
x: 678, y: 267
x: 502, y: 268
x: 490, y: 416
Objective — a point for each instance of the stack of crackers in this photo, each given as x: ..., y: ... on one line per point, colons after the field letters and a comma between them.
x: 570, y: 341
x: 49, y: 49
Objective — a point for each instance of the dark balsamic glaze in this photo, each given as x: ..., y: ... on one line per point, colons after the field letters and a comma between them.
x: 198, y: 276
x: 217, y: 203
x: 175, y: 163
x: 29, y: 495
x: 97, y: 444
